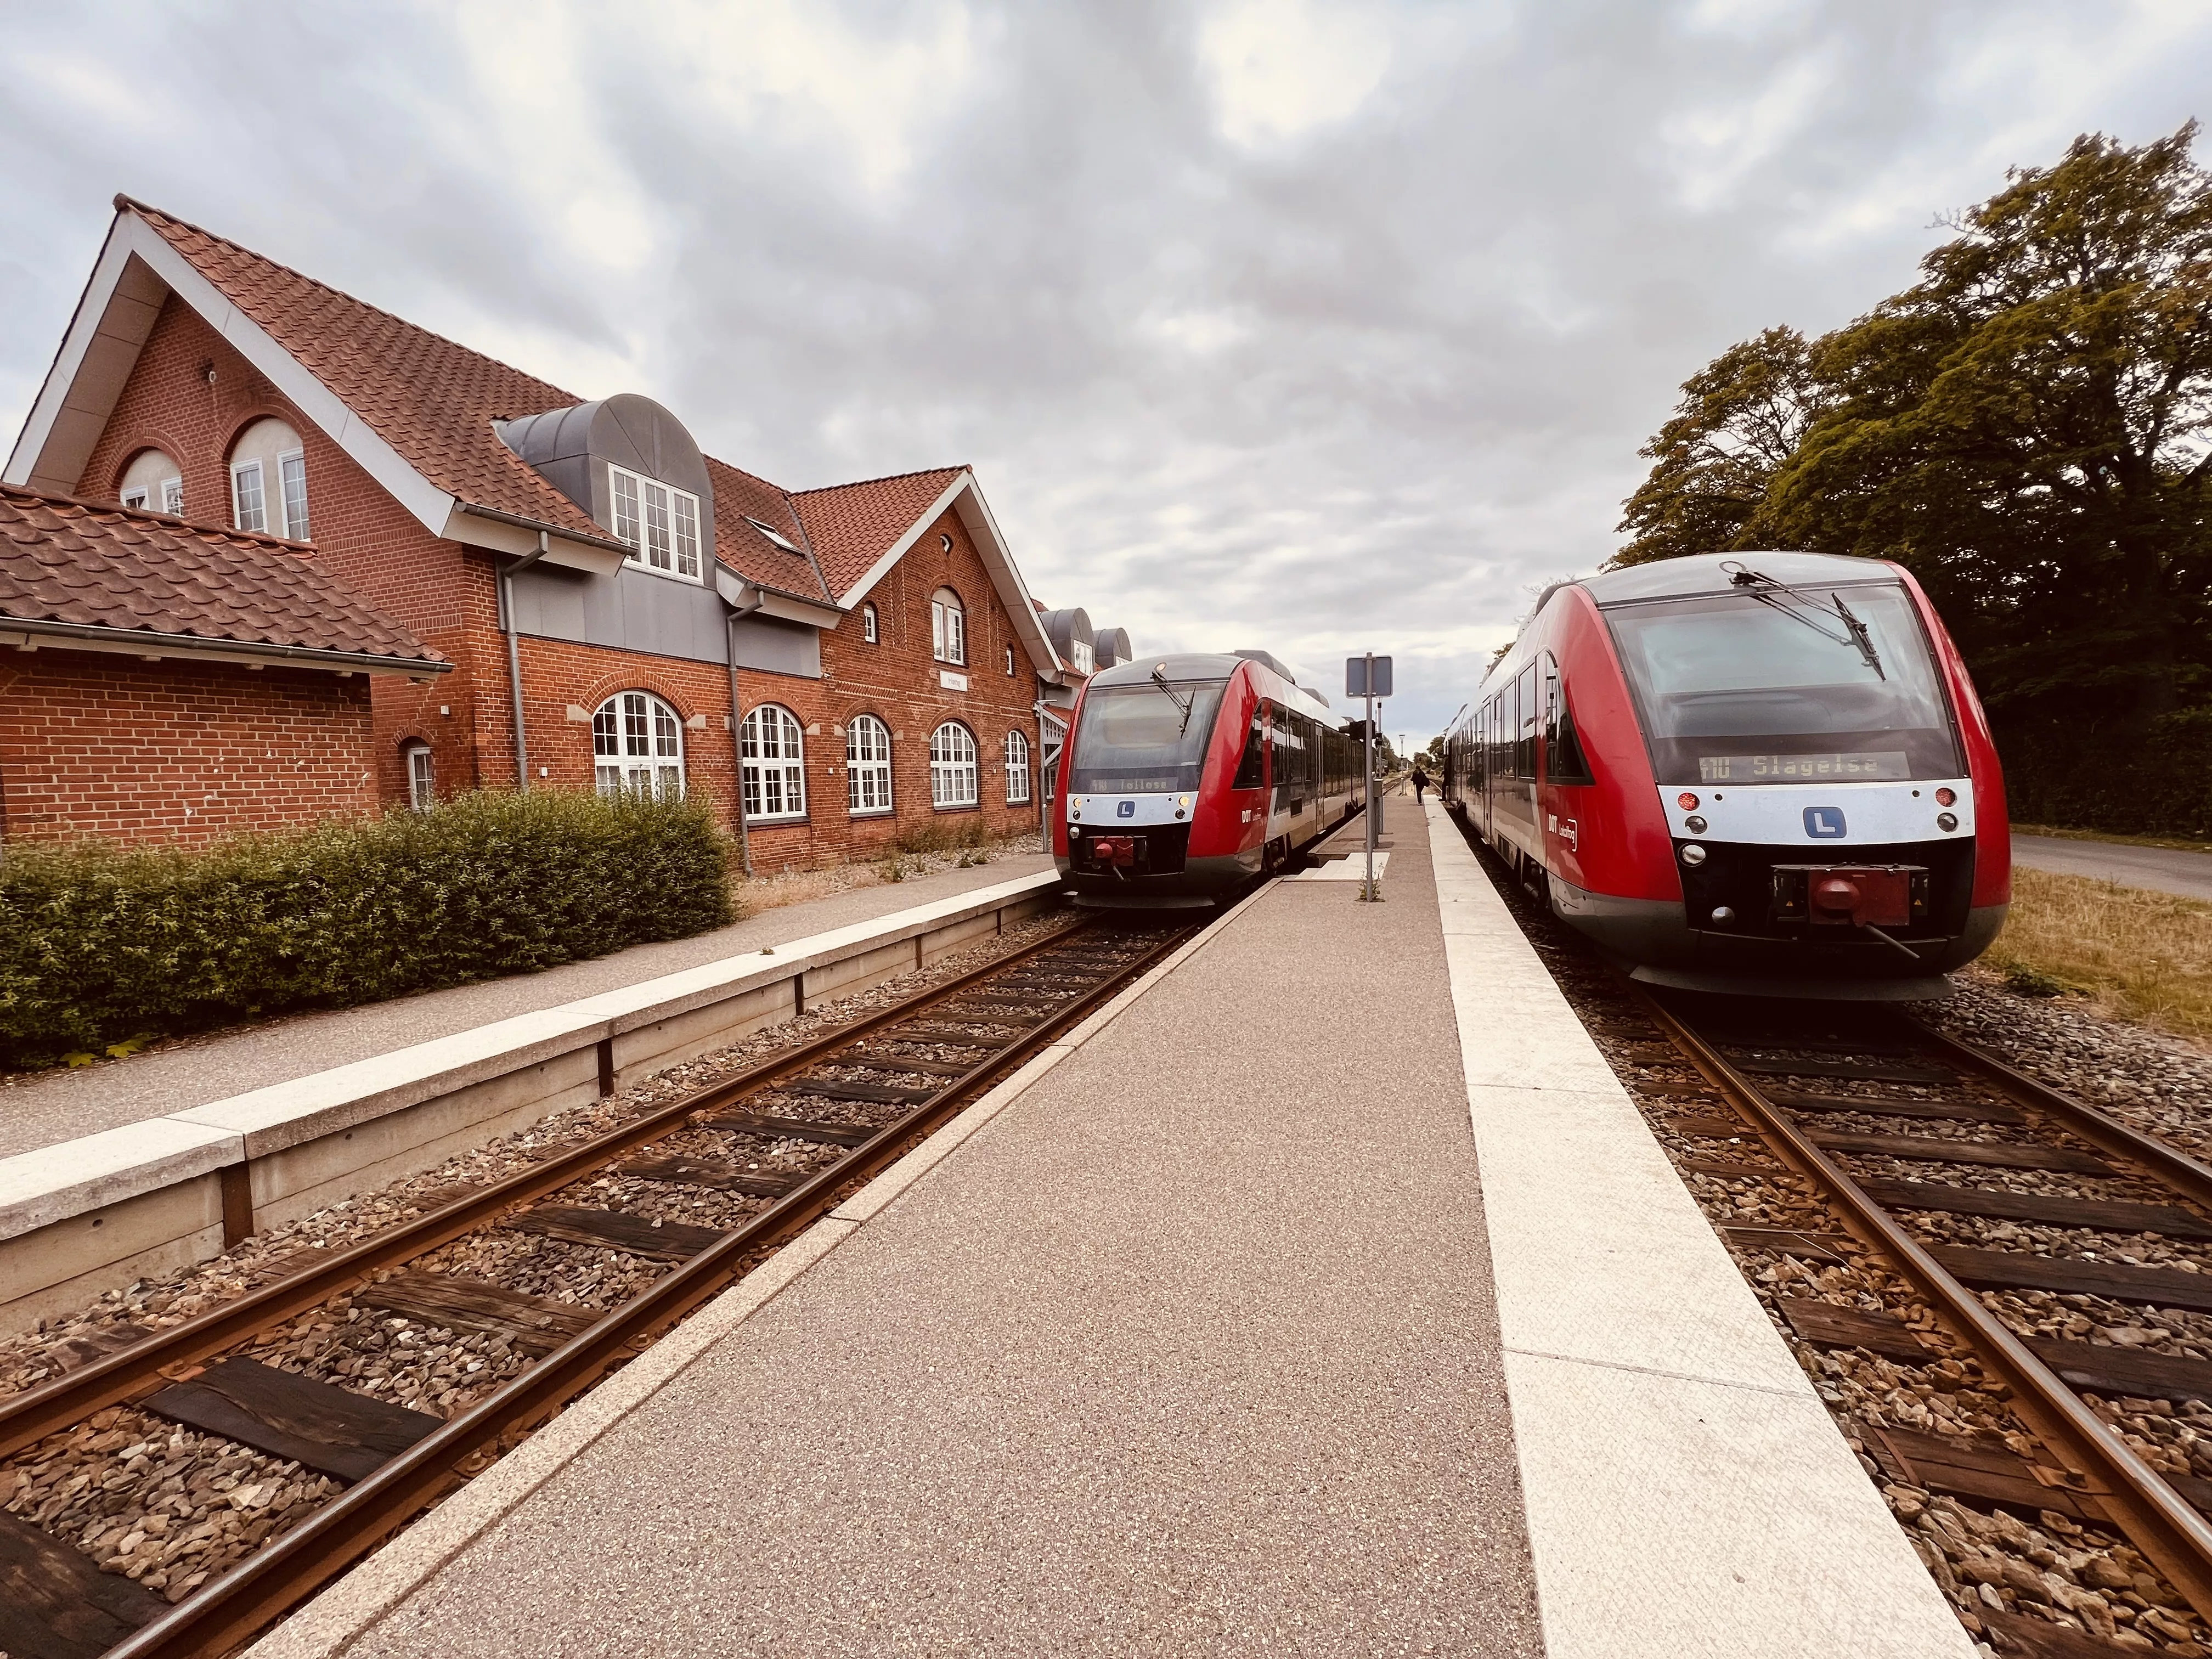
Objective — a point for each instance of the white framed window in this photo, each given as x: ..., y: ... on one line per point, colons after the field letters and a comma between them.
x: 152, y: 483
x: 422, y: 776
x: 637, y: 746
x: 952, y: 767
x: 1009, y: 662
x: 868, y: 765
x: 1017, y: 768
x: 658, y: 522
x: 774, y: 751
x: 247, y: 509
x: 1083, y: 658
x: 868, y: 623
x: 948, y: 627
x: 292, y: 475
x: 267, y: 470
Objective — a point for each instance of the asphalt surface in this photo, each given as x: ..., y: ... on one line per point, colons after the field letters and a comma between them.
x: 2163, y: 869
x: 42, y: 1109
x: 1191, y: 1349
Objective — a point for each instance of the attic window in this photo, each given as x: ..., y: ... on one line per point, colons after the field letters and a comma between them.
x: 780, y: 539
x: 658, y: 522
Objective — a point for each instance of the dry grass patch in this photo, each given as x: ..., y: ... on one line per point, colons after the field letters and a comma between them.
x: 2141, y: 955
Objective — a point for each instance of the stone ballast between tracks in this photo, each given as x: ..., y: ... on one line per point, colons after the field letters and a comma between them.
x: 91, y: 1214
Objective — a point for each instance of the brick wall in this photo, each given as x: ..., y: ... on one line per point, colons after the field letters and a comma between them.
x: 94, y: 744
x: 362, y: 536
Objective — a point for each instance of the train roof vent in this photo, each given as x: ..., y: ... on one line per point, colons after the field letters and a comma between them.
x: 1266, y: 660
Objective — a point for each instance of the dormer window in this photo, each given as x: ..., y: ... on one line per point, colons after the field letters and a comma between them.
x: 1082, y: 659
x: 658, y: 522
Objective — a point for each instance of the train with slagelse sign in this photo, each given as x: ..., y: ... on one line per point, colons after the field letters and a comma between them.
x: 1757, y: 774
x: 1185, y: 778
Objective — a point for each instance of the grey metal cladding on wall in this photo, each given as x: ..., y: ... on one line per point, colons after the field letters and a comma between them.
x: 1111, y: 646
x: 637, y: 610
x: 571, y: 448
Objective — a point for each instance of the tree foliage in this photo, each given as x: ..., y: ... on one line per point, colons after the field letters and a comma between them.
x: 2028, y: 428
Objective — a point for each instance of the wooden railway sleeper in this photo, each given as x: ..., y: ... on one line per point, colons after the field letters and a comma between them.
x: 2154, y: 1517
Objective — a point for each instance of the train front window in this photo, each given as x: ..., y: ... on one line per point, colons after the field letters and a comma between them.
x: 1138, y: 740
x: 1735, y: 691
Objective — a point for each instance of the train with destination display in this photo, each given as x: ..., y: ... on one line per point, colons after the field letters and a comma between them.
x: 1187, y: 777
x: 1760, y: 773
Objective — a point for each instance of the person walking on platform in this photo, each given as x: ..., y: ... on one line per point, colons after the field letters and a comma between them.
x: 1421, y: 780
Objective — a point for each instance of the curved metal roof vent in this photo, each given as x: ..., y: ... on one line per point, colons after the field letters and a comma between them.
x: 572, y: 448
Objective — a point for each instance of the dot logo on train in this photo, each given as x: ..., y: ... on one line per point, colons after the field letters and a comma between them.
x: 1642, y: 755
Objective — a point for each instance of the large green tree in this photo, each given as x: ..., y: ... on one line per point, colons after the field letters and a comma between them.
x: 2028, y: 428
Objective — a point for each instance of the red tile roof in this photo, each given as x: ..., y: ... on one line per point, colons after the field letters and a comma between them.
x: 67, y: 561
x: 853, y: 526
x: 434, y: 402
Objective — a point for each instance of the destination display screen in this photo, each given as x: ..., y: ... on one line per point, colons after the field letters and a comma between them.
x: 1868, y: 766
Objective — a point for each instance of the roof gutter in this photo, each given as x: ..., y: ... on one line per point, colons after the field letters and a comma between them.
x: 581, y: 537
x: 20, y: 633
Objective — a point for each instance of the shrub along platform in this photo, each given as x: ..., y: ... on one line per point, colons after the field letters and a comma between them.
x: 88, y: 1215
x: 100, y: 945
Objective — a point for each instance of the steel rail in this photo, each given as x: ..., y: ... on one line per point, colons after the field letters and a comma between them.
x: 224, y: 1615
x: 29, y: 1417
x: 2192, y: 1177
x: 2155, y: 1518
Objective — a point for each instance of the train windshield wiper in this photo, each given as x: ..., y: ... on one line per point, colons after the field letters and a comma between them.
x: 1780, y: 596
x: 1186, y: 704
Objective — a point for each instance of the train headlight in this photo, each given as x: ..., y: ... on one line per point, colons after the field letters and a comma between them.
x: 1947, y: 821
x: 1945, y: 796
x: 1694, y: 825
x: 1694, y: 855
x: 1724, y: 914
x: 1686, y: 801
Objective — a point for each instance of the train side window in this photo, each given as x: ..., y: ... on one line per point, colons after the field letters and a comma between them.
x: 1524, y: 748
x: 1563, y: 761
x: 1251, y: 765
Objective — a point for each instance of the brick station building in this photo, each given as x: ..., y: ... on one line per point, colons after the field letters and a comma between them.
x: 161, y: 681
x: 856, y: 663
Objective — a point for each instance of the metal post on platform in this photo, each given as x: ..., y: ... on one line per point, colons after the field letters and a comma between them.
x: 1367, y: 888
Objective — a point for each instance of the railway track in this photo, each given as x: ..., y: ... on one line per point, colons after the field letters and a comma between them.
x: 767, y: 1151
x: 1903, y: 1134
x: 1954, y: 1244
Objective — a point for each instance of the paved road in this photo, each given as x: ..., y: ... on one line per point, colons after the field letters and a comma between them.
x: 61, y: 1105
x: 2166, y: 869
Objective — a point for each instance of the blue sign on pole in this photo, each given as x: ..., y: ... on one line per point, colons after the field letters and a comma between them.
x: 1357, y: 683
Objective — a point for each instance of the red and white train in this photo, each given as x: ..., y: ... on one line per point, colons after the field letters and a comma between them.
x: 1764, y: 774
x: 1184, y: 777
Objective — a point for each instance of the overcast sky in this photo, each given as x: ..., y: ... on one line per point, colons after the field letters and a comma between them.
x: 1323, y: 327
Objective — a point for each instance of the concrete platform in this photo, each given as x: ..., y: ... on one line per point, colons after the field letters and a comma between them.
x: 1325, y: 1295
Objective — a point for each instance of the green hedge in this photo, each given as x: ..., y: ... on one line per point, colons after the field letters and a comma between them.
x: 2080, y: 778
x: 100, y: 945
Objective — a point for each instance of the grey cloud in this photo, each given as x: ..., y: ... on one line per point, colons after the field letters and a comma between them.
x: 1367, y: 387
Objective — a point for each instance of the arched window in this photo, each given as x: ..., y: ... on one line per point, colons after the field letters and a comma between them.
x: 775, y: 764
x: 637, y: 744
x: 269, y: 480
x: 868, y: 765
x: 152, y: 483
x: 948, y: 627
x: 422, y: 774
x: 1017, y: 768
x: 868, y: 623
x: 952, y: 766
